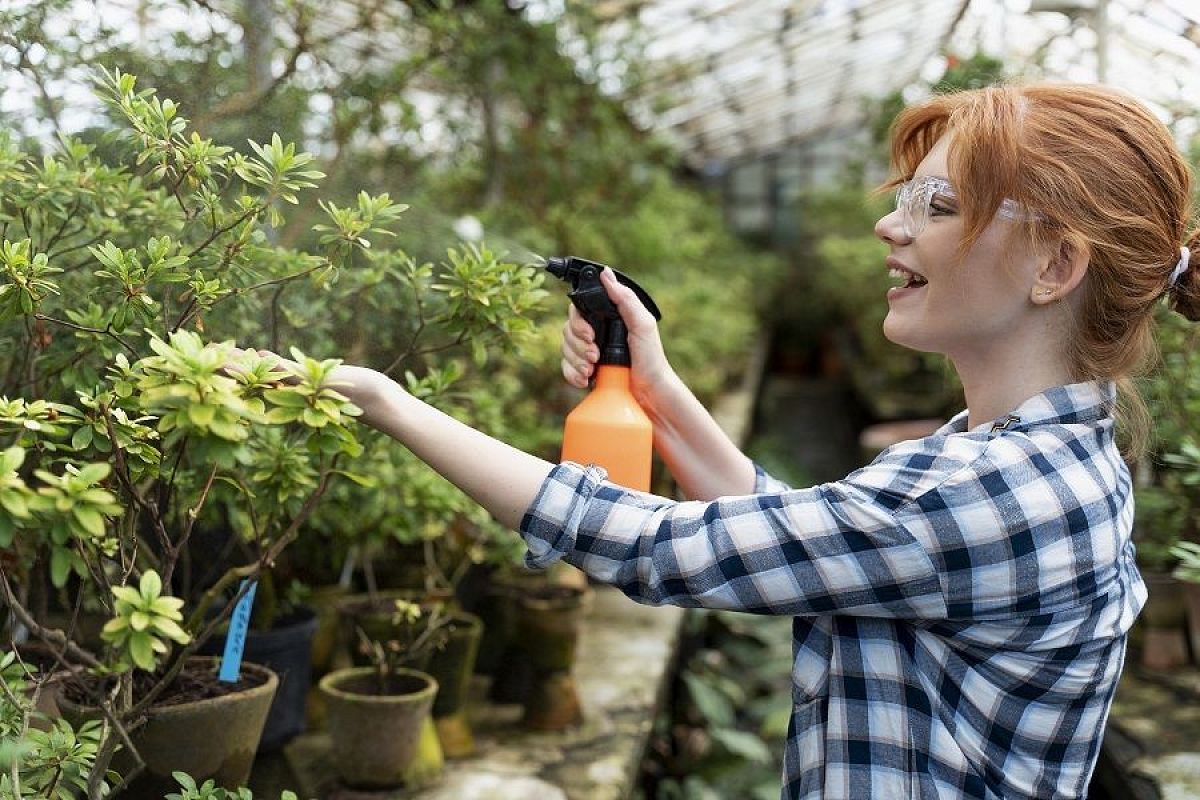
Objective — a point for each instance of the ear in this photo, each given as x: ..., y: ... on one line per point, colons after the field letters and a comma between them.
x: 1061, y: 272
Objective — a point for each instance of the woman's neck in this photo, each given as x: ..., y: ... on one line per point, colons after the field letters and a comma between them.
x: 997, y: 382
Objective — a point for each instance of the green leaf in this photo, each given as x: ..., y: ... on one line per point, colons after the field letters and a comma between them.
x: 286, y: 397
x: 94, y: 473
x: 184, y: 780
x: 12, y: 459
x: 82, y: 437
x: 171, y: 630
x: 60, y: 566
x: 202, y: 415
x: 743, y: 744
x: 91, y: 520
x: 141, y: 650
x: 717, y: 708
x: 151, y: 585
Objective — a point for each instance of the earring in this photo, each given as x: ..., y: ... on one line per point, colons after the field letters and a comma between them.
x: 1045, y: 291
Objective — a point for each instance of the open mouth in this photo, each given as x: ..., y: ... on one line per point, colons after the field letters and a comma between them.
x: 905, y: 279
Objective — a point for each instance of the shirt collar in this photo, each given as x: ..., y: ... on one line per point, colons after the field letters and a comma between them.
x: 1060, y: 405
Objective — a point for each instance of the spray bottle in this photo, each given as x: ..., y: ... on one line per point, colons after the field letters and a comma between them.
x: 608, y: 427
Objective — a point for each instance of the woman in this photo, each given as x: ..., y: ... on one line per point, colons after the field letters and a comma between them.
x: 961, y: 604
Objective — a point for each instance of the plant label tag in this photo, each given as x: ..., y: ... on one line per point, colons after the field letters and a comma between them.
x: 235, y: 642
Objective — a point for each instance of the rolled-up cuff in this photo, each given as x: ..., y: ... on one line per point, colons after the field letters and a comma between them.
x: 551, y: 523
x: 765, y: 484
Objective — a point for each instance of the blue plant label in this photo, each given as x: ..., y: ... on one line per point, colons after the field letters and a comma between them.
x: 235, y: 642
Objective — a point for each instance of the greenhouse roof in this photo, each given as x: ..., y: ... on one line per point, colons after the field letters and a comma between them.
x: 744, y: 77
x: 736, y: 79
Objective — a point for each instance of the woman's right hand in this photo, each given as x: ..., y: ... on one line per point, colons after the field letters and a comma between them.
x: 650, y: 369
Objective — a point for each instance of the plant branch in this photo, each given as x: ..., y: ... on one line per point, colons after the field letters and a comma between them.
x: 52, y: 636
x: 266, y: 560
x: 193, y: 513
x: 250, y: 212
x: 101, y: 331
x: 149, y: 506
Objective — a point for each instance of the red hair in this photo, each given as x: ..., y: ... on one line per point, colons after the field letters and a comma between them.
x: 1103, y: 174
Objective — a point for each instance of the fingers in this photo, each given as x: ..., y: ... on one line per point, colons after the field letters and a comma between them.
x: 578, y: 326
x: 579, y: 350
x: 576, y: 375
x: 637, y: 319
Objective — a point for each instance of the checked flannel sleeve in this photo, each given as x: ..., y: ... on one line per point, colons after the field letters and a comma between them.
x: 834, y: 548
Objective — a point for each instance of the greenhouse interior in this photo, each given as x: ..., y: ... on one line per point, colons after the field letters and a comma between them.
x: 871, y: 469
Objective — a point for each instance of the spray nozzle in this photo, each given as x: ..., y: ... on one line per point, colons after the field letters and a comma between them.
x: 589, y: 296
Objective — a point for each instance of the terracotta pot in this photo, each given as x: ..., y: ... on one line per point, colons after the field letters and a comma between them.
x: 549, y: 630
x: 1191, y: 596
x: 452, y: 667
x: 211, y: 738
x: 381, y: 741
x: 1163, y: 643
x: 286, y: 649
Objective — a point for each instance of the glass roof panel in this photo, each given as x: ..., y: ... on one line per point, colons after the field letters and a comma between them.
x: 736, y: 79
x: 740, y: 78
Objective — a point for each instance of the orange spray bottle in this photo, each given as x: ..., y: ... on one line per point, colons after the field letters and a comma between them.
x: 608, y: 428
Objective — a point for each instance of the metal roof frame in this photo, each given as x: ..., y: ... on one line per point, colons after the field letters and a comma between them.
x: 732, y: 80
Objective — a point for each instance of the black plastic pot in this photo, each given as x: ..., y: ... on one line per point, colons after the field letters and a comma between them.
x: 287, y: 650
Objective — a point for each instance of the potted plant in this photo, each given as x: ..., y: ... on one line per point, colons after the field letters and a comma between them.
x: 124, y: 426
x: 1188, y: 573
x: 379, y: 717
x: 400, y: 622
x: 1168, y: 489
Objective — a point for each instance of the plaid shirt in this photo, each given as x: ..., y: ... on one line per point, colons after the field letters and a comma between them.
x: 961, y: 604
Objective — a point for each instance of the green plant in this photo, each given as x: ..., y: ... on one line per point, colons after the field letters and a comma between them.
x: 40, y: 757
x: 725, y: 736
x: 420, y: 630
x: 1188, y: 568
x: 129, y: 434
x: 210, y: 791
x: 1168, y: 492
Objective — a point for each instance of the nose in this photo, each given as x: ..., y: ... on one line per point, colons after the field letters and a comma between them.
x: 890, y: 228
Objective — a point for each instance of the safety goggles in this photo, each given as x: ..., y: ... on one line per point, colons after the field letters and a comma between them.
x: 916, y: 199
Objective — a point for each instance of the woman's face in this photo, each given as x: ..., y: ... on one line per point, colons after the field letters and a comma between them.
x: 962, y: 309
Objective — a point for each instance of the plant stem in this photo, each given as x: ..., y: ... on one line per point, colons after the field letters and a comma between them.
x: 51, y: 636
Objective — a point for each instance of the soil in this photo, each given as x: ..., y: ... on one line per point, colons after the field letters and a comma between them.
x: 394, y: 685
x: 196, y: 681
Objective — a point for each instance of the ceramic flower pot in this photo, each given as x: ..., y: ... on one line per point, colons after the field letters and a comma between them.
x: 216, y: 737
x: 549, y: 629
x: 452, y: 667
x: 1164, y: 645
x: 383, y: 735
x: 286, y: 649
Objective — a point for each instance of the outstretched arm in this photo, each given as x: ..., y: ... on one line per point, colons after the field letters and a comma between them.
x: 501, y: 478
x: 704, y: 461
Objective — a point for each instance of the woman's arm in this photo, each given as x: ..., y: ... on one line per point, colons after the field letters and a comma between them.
x: 705, y: 462
x: 700, y: 455
x: 501, y: 478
